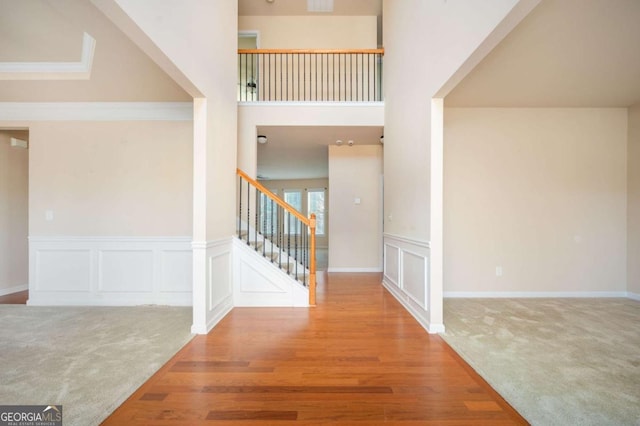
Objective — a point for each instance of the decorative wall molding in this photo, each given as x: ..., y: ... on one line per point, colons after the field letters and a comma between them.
x: 96, y: 111
x: 535, y: 294
x: 406, y: 276
x: 355, y: 270
x: 110, y: 271
x: 213, y: 296
x: 53, y: 70
x: 14, y: 289
x: 412, y: 241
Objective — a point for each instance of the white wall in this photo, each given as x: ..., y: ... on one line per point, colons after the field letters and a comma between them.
x: 312, y: 32
x: 633, y: 201
x: 540, y: 193
x: 14, y: 193
x: 355, y: 226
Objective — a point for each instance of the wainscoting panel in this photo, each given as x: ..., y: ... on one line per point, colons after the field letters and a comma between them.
x: 392, y: 264
x: 176, y: 271
x: 110, y: 271
x: 406, y: 275
x: 125, y: 271
x: 62, y: 270
x: 414, y: 276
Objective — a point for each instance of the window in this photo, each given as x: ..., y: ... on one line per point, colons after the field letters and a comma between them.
x: 315, y: 204
x: 294, y: 199
x: 268, y: 210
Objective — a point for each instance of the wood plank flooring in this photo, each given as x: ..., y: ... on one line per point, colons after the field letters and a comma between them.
x: 19, y: 298
x: 358, y: 358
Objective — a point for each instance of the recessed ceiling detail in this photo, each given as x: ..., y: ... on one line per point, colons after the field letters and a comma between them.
x: 53, y: 70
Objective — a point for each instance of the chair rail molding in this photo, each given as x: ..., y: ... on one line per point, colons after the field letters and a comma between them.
x: 110, y: 271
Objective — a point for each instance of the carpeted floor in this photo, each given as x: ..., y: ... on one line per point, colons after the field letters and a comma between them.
x: 89, y: 359
x: 557, y: 361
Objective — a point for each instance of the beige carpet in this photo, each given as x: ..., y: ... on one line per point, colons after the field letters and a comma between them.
x: 89, y: 359
x: 557, y: 361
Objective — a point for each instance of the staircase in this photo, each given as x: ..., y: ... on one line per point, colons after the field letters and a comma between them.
x: 277, y: 249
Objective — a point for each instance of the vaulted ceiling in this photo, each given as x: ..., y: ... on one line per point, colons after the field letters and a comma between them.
x: 565, y: 53
x: 52, y: 31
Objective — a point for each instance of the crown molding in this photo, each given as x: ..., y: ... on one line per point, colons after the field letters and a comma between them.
x: 53, y: 70
x: 96, y: 111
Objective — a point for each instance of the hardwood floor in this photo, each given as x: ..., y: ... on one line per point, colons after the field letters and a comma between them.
x: 356, y: 358
x: 19, y: 298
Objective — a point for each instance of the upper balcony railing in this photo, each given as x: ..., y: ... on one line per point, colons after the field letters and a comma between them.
x: 276, y: 75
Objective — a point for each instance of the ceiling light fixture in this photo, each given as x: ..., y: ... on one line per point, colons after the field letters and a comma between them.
x: 262, y: 139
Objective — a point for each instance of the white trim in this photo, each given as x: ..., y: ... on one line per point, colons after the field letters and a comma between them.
x: 534, y: 294
x: 110, y: 271
x: 355, y: 270
x: 53, y: 70
x: 203, y: 245
x: 96, y: 111
x: 311, y: 104
x: 413, y: 241
x: 416, y: 311
x: 14, y: 289
x: 101, y: 239
x: 633, y: 296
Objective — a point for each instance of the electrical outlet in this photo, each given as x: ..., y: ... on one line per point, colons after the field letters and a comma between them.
x: 498, y: 271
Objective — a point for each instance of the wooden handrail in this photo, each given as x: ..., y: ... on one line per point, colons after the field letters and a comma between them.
x: 275, y: 198
x: 311, y: 51
x: 310, y: 222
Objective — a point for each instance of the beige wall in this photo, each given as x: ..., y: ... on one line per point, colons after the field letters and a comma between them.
x: 312, y: 32
x: 14, y: 182
x: 445, y: 34
x: 111, y: 178
x: 278, y: 186
x: 633, y: 201
x: 355, y: 230
x: 538, y: 192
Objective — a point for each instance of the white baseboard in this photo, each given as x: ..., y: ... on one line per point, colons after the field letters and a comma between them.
x: 354, y: 270
x: 110, y: 271
x: 533, y: 294
x: 633, y: 296
x: 14, y: 289
x: 414, y: 309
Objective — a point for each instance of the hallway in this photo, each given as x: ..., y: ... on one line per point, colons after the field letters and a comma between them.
x: 358, y: 357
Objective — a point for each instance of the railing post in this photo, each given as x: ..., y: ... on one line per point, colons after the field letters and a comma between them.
x: 312, y: 261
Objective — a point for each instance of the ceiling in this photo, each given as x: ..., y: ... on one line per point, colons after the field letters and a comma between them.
x: 301, y: 152
x: 299, y: 7
x: 565, y: 53
x: 52, y: 30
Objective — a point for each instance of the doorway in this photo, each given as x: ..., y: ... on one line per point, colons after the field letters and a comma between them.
x: 14, y: 216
